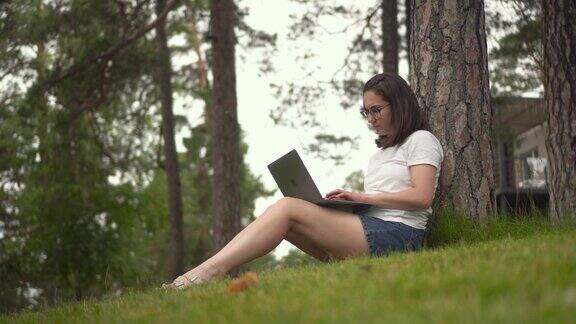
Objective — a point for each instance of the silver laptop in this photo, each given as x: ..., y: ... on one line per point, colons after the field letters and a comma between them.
x: 294, y: 181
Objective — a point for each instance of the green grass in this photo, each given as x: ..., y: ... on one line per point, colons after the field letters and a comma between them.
x: 449, y: 227
x: 530, y: 279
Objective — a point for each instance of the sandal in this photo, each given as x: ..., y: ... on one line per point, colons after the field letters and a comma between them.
x: 180, y: 283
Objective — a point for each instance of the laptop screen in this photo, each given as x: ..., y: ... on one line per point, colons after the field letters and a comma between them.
x: 293, y: 178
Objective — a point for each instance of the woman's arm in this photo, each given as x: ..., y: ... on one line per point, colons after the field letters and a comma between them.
x: 418, y: 197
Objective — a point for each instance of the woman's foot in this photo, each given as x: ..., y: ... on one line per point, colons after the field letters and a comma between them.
x: 201, y: 273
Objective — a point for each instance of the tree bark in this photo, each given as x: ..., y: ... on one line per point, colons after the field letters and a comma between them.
x: 224, y: 130
x: 174, y: 261
x: 449, y: 75
x: 408, y: 12
x: 559, y: 38
x: 390, y: 37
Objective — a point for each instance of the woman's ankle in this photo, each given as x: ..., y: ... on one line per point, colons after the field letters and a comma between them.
x: 214, y: 271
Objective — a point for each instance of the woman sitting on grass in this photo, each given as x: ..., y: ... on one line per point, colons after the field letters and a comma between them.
x: 400, y: 182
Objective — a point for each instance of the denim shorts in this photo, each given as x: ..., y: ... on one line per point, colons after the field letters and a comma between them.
x: 385, y: 237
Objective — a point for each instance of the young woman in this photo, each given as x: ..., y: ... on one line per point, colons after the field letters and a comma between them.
x: 400, y: 182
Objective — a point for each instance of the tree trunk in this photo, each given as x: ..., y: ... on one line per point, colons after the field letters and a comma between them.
x: 224, y: 129
x: 559, y: 36
x: 174, y: 262
x: 408, y: 12
x: 449, y: 75
x: 390, y: 36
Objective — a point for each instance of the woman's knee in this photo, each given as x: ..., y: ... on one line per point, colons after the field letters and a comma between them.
x: 281, y: 208
x: 284, y: 205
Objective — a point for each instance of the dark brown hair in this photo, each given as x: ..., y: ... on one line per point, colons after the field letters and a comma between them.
x: 407, y: 117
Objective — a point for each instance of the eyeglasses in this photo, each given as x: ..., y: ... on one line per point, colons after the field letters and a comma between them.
x: 374, y: 111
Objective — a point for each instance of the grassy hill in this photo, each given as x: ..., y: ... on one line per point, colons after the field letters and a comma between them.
x: 528, y: 280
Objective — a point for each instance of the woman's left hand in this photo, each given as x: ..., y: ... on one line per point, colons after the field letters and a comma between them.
x: 340, y: 194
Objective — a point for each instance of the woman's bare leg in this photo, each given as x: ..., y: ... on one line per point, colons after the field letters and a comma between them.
x: 336, y: 233
x: 257, y: 239
x: 307, y: 246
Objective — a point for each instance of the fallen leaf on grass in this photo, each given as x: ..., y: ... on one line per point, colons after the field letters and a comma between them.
x: 246, y: 281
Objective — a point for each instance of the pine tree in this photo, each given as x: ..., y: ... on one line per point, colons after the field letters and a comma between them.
x: 449, y: 75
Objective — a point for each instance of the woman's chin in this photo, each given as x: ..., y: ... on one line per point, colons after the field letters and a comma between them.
x: 378, y: 131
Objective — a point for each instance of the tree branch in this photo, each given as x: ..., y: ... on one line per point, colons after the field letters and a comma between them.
x: 11, y: 69
x: 108, y: 54
x: 365, y: 19
x: 359, y: 38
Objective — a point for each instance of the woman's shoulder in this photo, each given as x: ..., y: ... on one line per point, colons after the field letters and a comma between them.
x: 422, y: 136
x: 422, y: 147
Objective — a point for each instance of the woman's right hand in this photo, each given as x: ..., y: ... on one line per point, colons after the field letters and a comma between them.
x: 339, y: 194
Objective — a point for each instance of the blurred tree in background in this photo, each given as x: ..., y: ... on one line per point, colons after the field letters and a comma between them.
x: 74, y: 149
x: 164, y: 79
x: 355, y: 181
x: 516, y: 60
x: 83, y: 207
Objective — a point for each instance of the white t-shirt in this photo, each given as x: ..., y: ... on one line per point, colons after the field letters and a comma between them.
x: 388, y: 171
